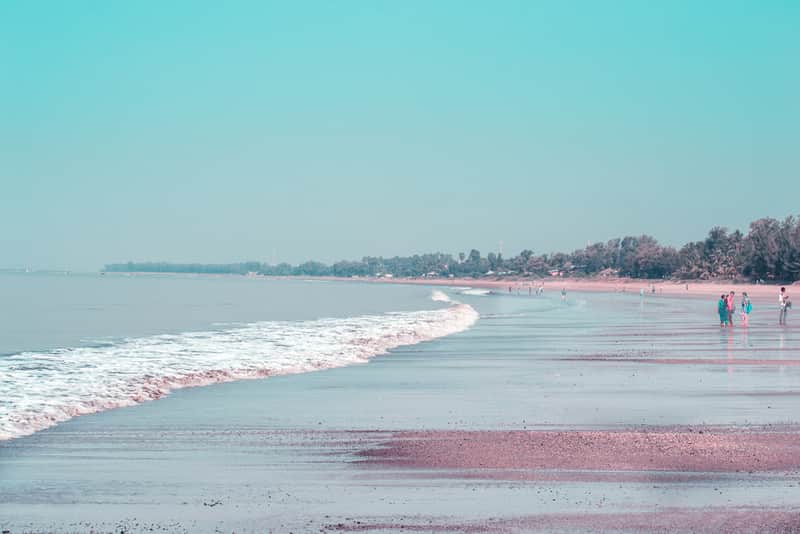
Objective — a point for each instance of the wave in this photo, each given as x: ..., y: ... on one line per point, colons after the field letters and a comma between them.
x: 476, y: 292
x: 440, y: 296
x: 41, y: 389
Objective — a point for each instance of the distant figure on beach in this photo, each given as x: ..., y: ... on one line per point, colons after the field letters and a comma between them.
x: 731, y: 306
x: 563, y: 293
x: 747, y: 307
x: 641, y: 293
x: 653, y: 289
x: 509, y: 289
x: 722, y: 309
x: 785, y: 304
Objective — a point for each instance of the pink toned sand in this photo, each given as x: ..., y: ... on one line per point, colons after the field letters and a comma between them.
x: 660, y: 450
x: 757, y: 292
x: 730, y: 520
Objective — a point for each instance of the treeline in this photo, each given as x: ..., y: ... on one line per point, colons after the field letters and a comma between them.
x: 770, y: 251
x: 199, y: 268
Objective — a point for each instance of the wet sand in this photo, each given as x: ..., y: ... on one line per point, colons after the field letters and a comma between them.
x: 712, y: 521
x: 544, y: 417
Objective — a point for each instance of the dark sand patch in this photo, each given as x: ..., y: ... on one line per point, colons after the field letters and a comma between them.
x: 641, y: 450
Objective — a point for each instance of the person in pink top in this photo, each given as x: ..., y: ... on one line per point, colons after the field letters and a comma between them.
x: 729, y: 303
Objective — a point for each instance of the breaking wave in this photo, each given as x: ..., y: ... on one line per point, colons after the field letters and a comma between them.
x: 440, y: 296
x: 41, y: 389
x: 476, y: 292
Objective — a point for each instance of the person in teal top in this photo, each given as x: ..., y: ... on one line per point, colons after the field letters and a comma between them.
x: 747, y: 307
x: 722, y: 309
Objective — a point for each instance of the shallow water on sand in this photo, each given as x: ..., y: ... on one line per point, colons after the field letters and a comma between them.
x: 281, y: 452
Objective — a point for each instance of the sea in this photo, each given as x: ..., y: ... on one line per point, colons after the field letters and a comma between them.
x: 79, y: 344
x: 75, y: 344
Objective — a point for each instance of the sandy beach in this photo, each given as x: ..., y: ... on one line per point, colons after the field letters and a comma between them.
x: 702, y: 450
x: 685, y: 288
x: 604, y: 413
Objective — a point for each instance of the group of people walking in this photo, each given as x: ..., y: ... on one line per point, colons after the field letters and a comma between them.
x: 538, y: 290
x: 726, y: 307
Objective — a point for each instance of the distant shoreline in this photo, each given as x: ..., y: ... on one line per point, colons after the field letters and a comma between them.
x: 673, y: 288
x: 602, y: 285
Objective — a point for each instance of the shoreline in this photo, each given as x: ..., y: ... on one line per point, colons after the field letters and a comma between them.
x: 760, y: 292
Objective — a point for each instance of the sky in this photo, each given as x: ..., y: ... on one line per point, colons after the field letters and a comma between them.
x: 286, y: 131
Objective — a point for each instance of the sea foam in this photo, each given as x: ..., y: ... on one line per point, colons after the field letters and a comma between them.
x: 41, y: 389
x: 476, y: 292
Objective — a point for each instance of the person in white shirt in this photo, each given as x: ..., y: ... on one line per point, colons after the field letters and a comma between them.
x: 784, y: 303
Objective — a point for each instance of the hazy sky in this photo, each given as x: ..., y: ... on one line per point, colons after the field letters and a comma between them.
x: 224, y: 131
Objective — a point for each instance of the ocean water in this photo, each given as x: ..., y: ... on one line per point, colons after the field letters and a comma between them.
x: 74, y: 345
x: 80, y: 344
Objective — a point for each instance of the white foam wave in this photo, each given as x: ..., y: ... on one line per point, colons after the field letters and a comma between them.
x: 440, y: 296
x: 39, y: 390
x: 476, y: 292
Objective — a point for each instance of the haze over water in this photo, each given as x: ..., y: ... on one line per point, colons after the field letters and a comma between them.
x: 312, y: 130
